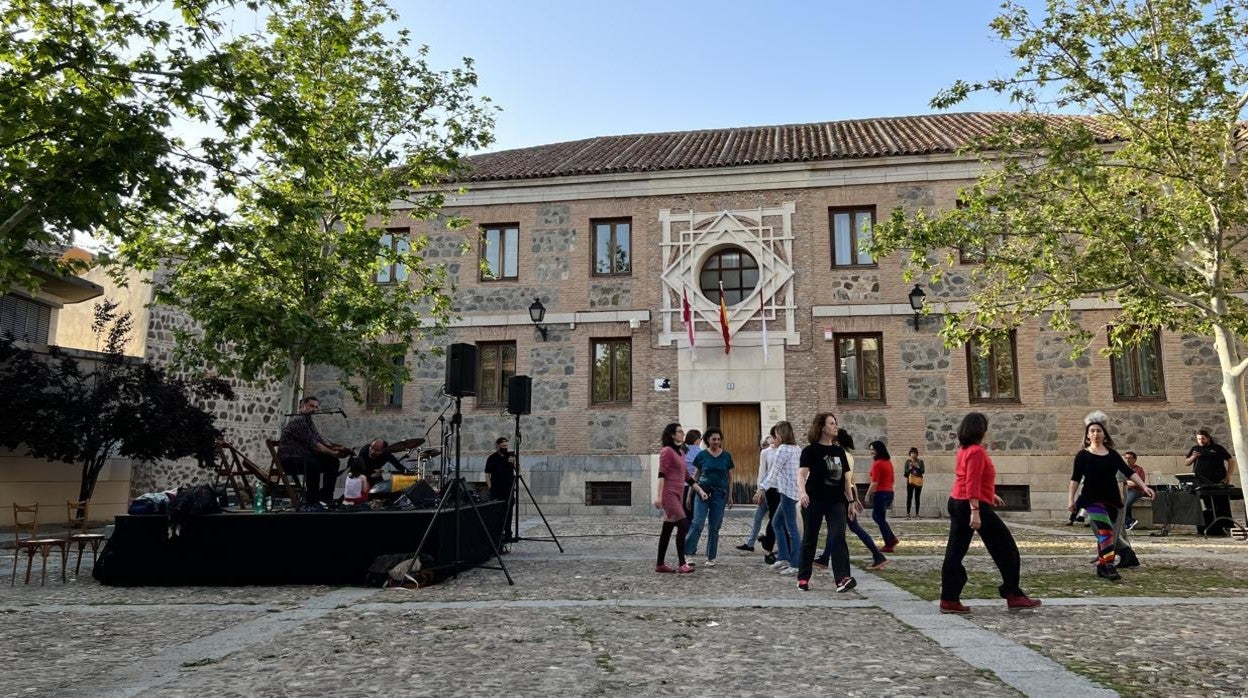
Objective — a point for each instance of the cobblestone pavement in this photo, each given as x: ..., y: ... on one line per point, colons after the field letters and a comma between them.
x: 596, y: 620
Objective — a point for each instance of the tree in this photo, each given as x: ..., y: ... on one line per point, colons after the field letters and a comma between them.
x: 88, y: 92
x: 60, y: 409
x: 1140, y: 202
x: 348, y: 120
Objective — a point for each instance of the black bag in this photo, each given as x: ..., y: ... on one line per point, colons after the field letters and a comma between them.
x: 190, y: 502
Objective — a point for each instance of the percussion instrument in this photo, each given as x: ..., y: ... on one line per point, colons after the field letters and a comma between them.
x: 405, y: 445
x: 430, y: 453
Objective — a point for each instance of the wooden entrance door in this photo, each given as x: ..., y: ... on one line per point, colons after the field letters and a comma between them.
x: 742, y: 427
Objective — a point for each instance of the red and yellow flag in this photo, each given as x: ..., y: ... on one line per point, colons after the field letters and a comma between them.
x: 723, y: 319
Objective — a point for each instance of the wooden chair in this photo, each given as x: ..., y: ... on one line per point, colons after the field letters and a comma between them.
x: 278, y: 474
x: 78, y: 513
x: 26, y: 518
x: 232, y: 469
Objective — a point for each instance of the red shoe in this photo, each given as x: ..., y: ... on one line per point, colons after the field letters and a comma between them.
x: 1019, y: 602
x: 954, y: 607
x: 684, y: 569
x: 664, y: 569
x: 889, y: 548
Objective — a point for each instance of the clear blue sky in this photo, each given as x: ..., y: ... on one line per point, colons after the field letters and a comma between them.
x: 570, y: 69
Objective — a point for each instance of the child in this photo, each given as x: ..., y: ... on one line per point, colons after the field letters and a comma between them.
x: 356, y: 490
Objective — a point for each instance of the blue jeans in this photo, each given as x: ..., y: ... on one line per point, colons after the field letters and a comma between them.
x: 880, y: 502
x: 1133, y: 496
x: 865, y: 537
x: 788, y: 540
x: 760, y: 513
x: 713, y: 506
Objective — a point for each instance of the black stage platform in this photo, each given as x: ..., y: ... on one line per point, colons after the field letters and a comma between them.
x: 241, y: 548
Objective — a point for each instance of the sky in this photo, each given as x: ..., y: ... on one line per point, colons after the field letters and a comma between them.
x: 565, y: 70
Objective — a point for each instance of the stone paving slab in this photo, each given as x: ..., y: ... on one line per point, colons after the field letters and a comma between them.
x: 53, y: 654
x: 1169, y: 650
x: 594, y: 651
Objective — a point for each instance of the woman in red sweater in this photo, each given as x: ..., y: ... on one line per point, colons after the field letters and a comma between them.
x: 971, y: 507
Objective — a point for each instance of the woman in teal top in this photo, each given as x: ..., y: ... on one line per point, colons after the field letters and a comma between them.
x: 714, y: 476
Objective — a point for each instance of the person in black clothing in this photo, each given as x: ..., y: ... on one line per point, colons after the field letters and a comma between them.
x: 827, y: 492
x: 1097, y: 466
x: 374, y: 457
x: 1213, y: 465
x: 500, y: 473
x: 303, y: 451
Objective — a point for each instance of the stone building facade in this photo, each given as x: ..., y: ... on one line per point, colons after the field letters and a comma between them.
x: 840, y: 332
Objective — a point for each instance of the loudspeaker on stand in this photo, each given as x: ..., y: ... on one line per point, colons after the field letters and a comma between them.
x: 461, y: 369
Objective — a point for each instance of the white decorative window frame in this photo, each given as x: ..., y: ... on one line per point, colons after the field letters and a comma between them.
x: 690, y: 238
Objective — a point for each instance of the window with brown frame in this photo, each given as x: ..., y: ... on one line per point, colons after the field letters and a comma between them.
x: 500, y: 250
x: 612, y: 373
x: 860, y: 367
x: 1137, y: 372
x: 496, y: 362
x: 851, y: 229
x: 393, y: 242
x: 613, y: 247
x: 387, y: 392
x: 993, y: 375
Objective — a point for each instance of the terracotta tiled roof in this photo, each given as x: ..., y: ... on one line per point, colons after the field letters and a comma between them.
x: 752, y: 145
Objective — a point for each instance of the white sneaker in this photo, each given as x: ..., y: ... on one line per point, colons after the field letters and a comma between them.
x: 783, y: 567
x: 710, y: 563
x: 789, y: 570
x: 779, y: 565
x: 691, y: 560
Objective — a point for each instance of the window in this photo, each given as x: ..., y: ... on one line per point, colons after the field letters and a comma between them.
x: 1016, y: 497
x: 1137, y: 372
x: 608, y: 494
x: 993, y: 375
x: 496, y: 362
x: 393, y: 242
x: 500, y: 250
x: 851, y: 230
x: 24, y: 320
x: 388, y: 392
x: 735, y: 269
x: 613, y: 247
x: 977, y: 254
x: 612, y: 379
x: 860, y: 368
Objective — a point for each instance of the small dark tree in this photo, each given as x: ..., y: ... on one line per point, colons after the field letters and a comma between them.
x: 62, y: 409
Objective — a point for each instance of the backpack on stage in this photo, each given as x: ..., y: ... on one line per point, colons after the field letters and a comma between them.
x: 192, y: 501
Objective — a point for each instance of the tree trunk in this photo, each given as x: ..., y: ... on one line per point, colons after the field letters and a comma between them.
x: 90, y: 475
x: 292, y: 384
x: 1224, y: 341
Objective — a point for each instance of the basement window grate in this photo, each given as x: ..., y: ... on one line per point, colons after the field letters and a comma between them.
x: 1017, y: 497
x: 608, y: 494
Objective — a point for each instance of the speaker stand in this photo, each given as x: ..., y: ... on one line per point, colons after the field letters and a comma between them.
x: 457, y: 489
x: 515, y: 501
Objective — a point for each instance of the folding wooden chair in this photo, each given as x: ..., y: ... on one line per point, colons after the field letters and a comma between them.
x: 78, y: 514
x: 26, y: 518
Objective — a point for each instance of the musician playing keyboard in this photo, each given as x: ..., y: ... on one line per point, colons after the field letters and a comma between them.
x: 1213, y: 465
x: 304, y: 451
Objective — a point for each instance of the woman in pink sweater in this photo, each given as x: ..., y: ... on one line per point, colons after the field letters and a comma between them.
x: 971, y: 509
x: 673, y: 476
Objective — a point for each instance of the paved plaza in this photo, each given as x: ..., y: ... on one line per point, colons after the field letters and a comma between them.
x: 597, y: 620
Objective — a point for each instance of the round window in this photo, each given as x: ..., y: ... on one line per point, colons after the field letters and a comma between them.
x: 735, y: 269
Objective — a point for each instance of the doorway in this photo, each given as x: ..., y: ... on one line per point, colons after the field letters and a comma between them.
x: 742, y: 427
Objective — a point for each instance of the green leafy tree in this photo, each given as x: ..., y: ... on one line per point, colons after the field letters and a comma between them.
x: 88, y: 92
x: 349, y: 119
x: 1140, y: 202
x: 64, y: 409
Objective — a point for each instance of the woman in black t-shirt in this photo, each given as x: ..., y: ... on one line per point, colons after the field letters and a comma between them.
x: 1097, y: 466
x: 827, y: 492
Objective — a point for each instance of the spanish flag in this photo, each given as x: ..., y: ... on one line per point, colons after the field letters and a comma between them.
x: 723, y: 319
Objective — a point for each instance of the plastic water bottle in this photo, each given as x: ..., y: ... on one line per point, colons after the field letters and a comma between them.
x: 257, y: 502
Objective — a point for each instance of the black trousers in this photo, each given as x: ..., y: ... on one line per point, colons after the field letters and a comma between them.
x: 997, y: 540
x: 768, y: 539
x: 509, y: 495
x: 320, y: 471
x: 815, y: 514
